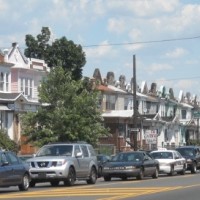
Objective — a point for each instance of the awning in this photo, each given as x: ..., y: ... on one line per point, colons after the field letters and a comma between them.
x: 4, y: 107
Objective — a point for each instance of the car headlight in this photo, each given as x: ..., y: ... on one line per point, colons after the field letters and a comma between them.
x: 60, y: 163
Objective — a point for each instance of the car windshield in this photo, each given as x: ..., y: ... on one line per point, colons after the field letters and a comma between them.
x: 57, y: 150
x: 162, y: 155
x: 186, y: 151
x: 127, y: 157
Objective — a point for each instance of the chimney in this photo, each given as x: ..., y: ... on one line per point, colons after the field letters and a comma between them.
x: 14, y: 44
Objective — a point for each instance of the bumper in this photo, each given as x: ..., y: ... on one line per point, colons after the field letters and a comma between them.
x: 48, y: 174
x: 121, y: 173
x: 164, y: 169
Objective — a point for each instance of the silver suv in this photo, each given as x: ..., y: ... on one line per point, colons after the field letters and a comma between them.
x: 65, y: 162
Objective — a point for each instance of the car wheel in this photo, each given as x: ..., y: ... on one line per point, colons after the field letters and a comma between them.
x: 140, y: 176
x: 100, y: 172
x: 25, y: 183
x: 71, y: 177
x: 54, y: 183
x: 155, y: 175
x: 171, y: 170
x: 93, y: 176
x: 107, y: 178
x: 194, y: 168
x: 183, y: 171
x: 32, y: 184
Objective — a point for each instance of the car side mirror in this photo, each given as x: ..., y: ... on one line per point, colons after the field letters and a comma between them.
x: 78, y: 154
x: 5, y: 163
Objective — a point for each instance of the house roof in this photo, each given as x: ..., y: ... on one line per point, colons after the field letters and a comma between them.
x: 9, y: 96
x: 103, y: 88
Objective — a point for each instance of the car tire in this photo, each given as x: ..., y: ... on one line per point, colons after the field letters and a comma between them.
x: 107, y: 178
x: 25, y: 183
x: 171, y: 171
x: 93, y: 176
x: 54, y: 183
x: 183, y: 171
x: 140, y: 176
x: 70, y: 181
x: 100, y: 172
x: 156, y: 173
x: 194, y: 168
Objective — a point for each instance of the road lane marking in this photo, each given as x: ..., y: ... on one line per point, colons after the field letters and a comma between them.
x: 101, y: 193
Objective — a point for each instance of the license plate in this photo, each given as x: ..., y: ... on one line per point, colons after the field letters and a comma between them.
x: 42, y: 175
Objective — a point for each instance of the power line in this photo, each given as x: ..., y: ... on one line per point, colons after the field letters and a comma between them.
x: 145, y: 42
x: 174, y: 79
x: 131, y: 43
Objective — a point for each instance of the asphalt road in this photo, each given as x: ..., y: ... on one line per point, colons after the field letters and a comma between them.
x: 177, y: 187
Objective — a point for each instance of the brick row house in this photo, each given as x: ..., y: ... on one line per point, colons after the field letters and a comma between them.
x: 162, y: 119
x: 19, y: 81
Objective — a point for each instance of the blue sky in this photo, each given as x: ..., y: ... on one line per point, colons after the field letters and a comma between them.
x: 131, y: 23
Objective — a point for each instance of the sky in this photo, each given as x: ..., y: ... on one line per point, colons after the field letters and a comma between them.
x: 163, y: 35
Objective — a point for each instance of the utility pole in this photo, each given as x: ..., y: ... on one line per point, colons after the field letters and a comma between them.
x: 134, y: 106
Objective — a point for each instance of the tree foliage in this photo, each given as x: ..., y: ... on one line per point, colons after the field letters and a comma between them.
x: 70, y: 113
x: 6, y: 143
x: 61, y: 52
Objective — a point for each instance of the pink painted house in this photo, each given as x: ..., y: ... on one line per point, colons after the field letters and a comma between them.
x: 19, y: 81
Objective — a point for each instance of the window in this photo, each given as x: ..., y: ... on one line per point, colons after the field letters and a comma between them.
x: 7, y: 82
x: 26, y: 86
x: 110, y: 102
x: 183, y: 114
x: 1, y: 81
x: 85, y: 151
x: 126, y: 104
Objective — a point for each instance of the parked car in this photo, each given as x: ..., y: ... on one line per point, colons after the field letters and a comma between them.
x: 170, y: 161
x: 131, y: 164
x: 25, y: 157
x: 13, y: 172
x: 102, y: 159
x: 65, y: 162
x: 192, y: 156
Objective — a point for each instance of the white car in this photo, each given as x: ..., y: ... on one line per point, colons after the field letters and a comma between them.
x: 170, y: 161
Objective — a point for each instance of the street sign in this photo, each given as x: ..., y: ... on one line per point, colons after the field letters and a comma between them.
x: 151, y: 136
x: 196, y: 114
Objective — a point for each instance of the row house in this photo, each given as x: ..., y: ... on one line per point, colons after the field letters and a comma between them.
x: 19, y: 81
x: 162, y: 119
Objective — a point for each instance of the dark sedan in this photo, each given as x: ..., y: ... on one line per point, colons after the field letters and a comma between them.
x: 192, y: 156
x: 13, y: 171
x: 131, y: 164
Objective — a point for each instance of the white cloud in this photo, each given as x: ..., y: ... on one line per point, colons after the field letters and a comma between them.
x: 176, y: 53
x: 159, y: 67
x: 116, y: 25
x: 100, y: 51
x: 3, y: 6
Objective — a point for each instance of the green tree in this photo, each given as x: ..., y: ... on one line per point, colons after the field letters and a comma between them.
x: 6, y: 143
x: 61, y: 52
x: 70, y: 113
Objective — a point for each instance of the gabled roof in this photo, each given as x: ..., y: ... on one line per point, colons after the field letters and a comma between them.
x: 9, y: 96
